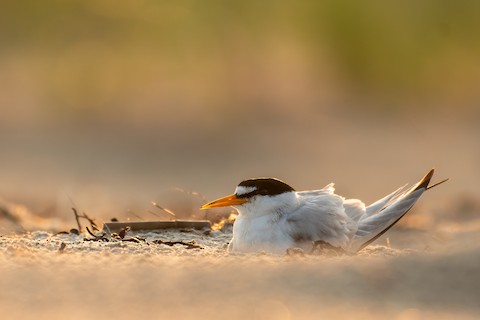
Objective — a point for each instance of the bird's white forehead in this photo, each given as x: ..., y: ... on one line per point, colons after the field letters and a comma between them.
x: 241, y: 190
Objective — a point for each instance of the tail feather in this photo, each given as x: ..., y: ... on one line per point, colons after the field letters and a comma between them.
x: 383, y: 217
x: 378, y: 205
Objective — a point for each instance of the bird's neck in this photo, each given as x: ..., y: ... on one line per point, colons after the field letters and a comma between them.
x: 275, y: 206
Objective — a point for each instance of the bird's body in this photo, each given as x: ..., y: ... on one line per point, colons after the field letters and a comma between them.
x: 273, y: 217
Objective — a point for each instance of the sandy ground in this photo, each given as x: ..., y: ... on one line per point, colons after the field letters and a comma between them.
x: 427, y: 270
x: 121, y: 280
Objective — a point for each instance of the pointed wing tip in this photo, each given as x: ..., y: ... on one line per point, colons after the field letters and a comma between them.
x: 423, y: 184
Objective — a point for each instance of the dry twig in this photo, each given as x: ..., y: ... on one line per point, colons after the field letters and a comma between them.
x: 136, y: 239
x: 170, y: 212
x: 84, y: 216
x: 188, y: 244
x: 77, y: 218
x: 102, y: 237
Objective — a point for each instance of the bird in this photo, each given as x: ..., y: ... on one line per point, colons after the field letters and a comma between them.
x: 274, y: 218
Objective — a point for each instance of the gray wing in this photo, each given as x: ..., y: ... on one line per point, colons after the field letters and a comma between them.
x: 378, y: 205
x: 383, y: 214
x: 321, y: 215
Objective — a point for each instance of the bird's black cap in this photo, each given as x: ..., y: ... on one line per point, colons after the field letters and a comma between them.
x: 264, y: 186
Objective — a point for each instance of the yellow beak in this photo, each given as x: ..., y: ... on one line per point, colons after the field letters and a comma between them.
x: 230, y: 200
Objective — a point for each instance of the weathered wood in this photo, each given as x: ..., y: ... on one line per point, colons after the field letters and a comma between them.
x: 157, y: 225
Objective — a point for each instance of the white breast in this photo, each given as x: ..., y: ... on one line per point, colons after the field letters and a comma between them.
x: 255, y: 234
x: 261, y: 224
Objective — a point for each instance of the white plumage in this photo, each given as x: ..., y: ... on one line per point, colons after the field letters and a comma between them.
x: 273, y: 218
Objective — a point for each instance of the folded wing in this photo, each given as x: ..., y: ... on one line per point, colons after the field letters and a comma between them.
x: 383, y: 214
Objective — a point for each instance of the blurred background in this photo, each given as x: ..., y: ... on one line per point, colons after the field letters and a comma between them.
x: 113, y: 104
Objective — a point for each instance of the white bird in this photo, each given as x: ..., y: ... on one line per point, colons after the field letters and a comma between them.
x: 273, y: 217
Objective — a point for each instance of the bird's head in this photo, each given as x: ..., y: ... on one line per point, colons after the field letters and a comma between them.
x: 257, y: 196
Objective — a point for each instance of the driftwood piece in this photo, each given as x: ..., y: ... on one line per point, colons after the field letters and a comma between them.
x: 157, y: 225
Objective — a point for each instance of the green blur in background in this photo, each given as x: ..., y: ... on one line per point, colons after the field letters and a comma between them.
x: 136, y: 60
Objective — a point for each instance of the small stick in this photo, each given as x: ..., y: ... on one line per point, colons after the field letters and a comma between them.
x: 91, y: 233
x: 96, y: 238
x: 84, y: 216
x: 92, y: 222
x: 77, y: 218
x: 189, y: 244
x: 170, y: 212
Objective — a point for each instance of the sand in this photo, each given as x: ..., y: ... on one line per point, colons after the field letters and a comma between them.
x: 126, y: 280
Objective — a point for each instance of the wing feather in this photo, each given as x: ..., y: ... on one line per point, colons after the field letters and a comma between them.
x: 322, y: 216
x: 396, y: 206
